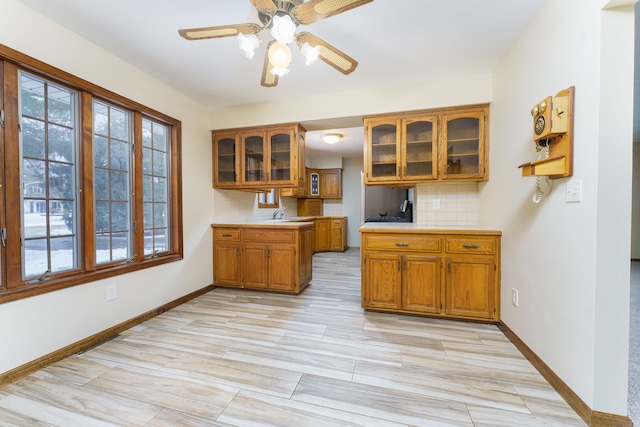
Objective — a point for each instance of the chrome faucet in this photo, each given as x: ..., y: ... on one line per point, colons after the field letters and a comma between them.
x: 278, y: 214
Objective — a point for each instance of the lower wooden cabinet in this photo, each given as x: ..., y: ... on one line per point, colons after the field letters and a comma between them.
x: 445, y: 275
x: 338, y: 234
x: 323, y: 235
x: 258, y: 258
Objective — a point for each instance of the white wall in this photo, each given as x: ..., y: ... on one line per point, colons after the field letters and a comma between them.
x: 569, y: 261
x: 36, y: 326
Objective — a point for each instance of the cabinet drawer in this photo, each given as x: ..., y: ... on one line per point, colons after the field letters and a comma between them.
x: 271, y: 236
x: 462, y: 245
x: 403, y: 242
x: 227, y: 235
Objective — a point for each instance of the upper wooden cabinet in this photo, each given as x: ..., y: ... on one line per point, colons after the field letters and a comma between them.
x: 445, y: 144
x: 260, y: 157
x: 325, y: 183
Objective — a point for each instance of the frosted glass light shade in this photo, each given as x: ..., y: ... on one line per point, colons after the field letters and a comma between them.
x: 331, y: 138
x: 279, y: 55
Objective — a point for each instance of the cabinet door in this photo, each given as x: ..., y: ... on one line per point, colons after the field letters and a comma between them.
x: 382, y: 281
x: 226, y: 266
x: 337, y: 235
x: 281, y: 268
x: 470, y: 287
x: 255, y: 266
x: 253, y: 158
x: 282, y: 157
x: 225, y: 160
x: 315, y: 185
x: 323, y: 235
x: 331, y: 183
x: 464, y: 146
x: 382, y: 154
x: 421, y: 284
x: 419, y: 153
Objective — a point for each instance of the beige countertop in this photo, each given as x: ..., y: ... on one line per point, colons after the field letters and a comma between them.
x: 410, y: 227
x: 262, y: 223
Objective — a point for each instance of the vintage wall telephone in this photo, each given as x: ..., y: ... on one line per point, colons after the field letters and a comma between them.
x: 553, y: 136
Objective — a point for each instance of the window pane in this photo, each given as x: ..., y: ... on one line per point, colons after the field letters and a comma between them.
x: 32, y: 97
x: 35, y: 257
x: 120, y: 246
x: 60, y: 107
x: 103, y: 248
x: 112, y: 182
x: 103, y: 218
x: 61, y: 177
x: 119, y: 155
x: 101, y: 177
x: 32, y: 138
x: 146, y: 133
x: 159, y: 189
x: 119, y: 185
x: 62, y: 254
x: 155, y: 188
x: 100, y: 119
x: 61, y: 144
x: 61, y: 219
x: 49, y: 173
x: 147, y: 161
x: 119, y: 124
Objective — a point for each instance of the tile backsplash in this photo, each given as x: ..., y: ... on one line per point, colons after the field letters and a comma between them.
x: 458, y: 204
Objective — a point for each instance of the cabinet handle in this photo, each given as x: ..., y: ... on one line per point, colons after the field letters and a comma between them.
x: 470, y: 246
x: 227, y: 235
x: 401, y: 244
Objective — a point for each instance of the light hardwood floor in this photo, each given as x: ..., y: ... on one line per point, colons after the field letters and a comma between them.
x: 243, y: 358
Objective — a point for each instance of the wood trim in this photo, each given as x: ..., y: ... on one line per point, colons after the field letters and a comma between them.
x: 13, y: 375
x: 603, y: 419
x: 589, y: 416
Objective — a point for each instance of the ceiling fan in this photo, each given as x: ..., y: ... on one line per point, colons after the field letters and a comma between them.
x: 282, y: 18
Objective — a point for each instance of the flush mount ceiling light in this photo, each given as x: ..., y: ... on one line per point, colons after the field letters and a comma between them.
x: 280, y: 19
x: 331, y: 138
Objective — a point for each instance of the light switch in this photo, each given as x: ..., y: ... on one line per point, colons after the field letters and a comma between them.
x: 574, y: 191
x: 436, y: 204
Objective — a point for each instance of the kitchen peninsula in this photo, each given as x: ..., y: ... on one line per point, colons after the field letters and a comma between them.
x: 273, y: 255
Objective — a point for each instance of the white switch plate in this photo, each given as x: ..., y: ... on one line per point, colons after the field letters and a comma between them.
x: 436, y: 204
x: 112, y: 292
x: 574, y: 191
x: 514, y: 297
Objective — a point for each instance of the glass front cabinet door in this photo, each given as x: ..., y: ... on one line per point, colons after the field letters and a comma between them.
x: 253, y: 166
x: 225, y: 160
x: 463, y: 140
x: 282, y: 159
x: 382, y: 151
x: 419, y: 148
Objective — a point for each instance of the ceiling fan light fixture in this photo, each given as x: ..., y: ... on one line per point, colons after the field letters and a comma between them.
x: 283, y: 29
x: 331, y: 138
x: 310, y: 53
x: 249, y: 44
x: 280, y: 57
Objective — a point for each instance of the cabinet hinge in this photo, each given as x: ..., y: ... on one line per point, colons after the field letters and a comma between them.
x: 1, y: 118
x: 135, y: 226
x: 133, y: 149
x: 3, y: 236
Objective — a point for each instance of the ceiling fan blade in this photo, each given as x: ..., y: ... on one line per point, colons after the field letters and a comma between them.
x: 313, y: 10
x: 220, y: 31
x: 329, y: 54
x: 268, y: 78
x: 265, y: 6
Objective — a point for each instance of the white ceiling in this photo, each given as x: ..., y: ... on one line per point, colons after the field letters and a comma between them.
x: 412, y: 40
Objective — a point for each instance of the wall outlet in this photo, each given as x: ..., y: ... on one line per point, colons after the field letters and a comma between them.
x: 112, y: 292
x: 514, y: 297
x: 436, y: 204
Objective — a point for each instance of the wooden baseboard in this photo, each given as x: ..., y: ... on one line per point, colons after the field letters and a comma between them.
x: 592, y: 418
x: 86, y: 343
x: 602, y: 419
